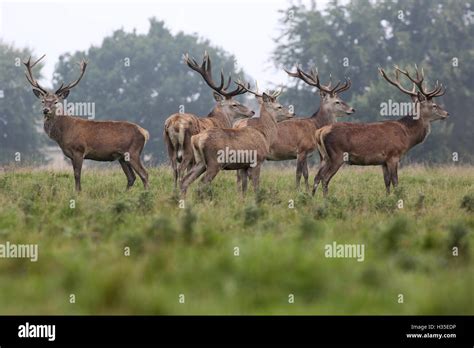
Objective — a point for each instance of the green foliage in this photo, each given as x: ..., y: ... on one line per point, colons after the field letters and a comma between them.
x: 458, y: 237
x: 191, y: 250
x: 372, y: 34
x: 468, y: 202
x: 252, y: 213
x: 18, y: 114
x: 187, y: 223
x: 393, y: 235
x: 142, y: 78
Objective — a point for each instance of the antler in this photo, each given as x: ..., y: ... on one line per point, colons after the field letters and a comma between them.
x: 62, y: 88
x: 29, y: 74
x: 246, y: 86
x: 312, y: 79
x: 205, y: 70
x: 437, y: 91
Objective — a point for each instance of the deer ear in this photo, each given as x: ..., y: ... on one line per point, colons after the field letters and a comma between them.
x: 259, y: 99
x: 266, y: 98
x: 37, y: 93
x: 421, y: 97
x: 64, y: 94
x: 217, y: 97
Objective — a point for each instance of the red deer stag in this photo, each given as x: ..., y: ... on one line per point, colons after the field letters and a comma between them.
x: 81, y: 139
x: 247, y: 148
x: 380, y: 143
x: 296, y: 137
x: 180, y: 127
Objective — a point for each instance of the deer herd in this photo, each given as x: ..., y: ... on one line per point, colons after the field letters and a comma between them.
x: 196, y: 144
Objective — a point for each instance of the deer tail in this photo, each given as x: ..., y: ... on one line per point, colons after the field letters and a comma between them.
x: 320, y: 134
x: 181, y: 137
x: 197, y: 142
x: 145, y: 133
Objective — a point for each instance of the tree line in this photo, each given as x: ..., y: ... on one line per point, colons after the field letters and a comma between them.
x: 142, y: 78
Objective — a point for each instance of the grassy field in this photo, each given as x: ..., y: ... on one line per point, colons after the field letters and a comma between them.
x: 281, y: 250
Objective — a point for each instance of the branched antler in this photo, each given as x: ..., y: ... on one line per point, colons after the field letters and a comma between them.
x: 62, y: 89
x: 417, y: 81
x: 29, y: 74
x: 205, y: 70
x: 312, y: 79
x: 246, y: 86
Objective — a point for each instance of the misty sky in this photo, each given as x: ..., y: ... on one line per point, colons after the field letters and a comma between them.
x: 245, y: 28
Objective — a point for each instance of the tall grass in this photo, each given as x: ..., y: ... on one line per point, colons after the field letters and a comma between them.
x: 192, y: 251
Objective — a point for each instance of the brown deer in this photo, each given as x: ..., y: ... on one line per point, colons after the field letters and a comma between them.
x: 296, y: 137
x: 255, y: 139
x: 81, y: 139
x: 380, y: 143
x: 181, y: 126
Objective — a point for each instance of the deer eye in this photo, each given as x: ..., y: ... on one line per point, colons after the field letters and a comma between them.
x: 435, y: 106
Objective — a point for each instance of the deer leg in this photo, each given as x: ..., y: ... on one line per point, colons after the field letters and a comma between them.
x: 190, y: 164
x: 332, y: 169
x: 77, y: 160
x: 319, y: 176
x: 239, y: 178
x: 254, y: 174
x: 393, y: 168
x: 211, y: 173
x: 137, y: 166
x: 192, y: 175
x: 300, y: 159
x: 305, y: 174
x: 128, y: 170
x: 182, y: 168
x: 243, y: 176
x: 172, y: 156
x: 386, y: 177
x: 174, y: 166
x: 132, y: 172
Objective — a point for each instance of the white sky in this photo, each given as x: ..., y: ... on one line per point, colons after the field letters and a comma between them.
x: 245, y: 28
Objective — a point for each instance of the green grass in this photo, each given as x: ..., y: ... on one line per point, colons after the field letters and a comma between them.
x: 191, y: 251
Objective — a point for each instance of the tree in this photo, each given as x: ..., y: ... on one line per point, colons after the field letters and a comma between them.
x: 142, y: 79
x: 357, y: 37
x: 20, y: 140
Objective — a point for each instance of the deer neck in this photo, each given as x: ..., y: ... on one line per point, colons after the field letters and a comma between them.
x: 322, y: 117
x: 417, y: 129
x: 54, y: 126
x: 220, y: 118
x: 267, y: 125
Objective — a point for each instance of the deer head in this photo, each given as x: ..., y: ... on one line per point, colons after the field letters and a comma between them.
x: 269, y: 102
x: 223, y: 97
x: 50, y: 99
x: 330, y: 100
x: 429, y: 110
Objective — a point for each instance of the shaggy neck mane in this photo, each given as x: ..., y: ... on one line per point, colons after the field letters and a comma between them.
x: 220, y: 118
x: 266, y: 125
x: 417, y: 129
x: 322, y: 118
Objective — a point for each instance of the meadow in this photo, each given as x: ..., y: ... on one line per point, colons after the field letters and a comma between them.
x: 139, y: 252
